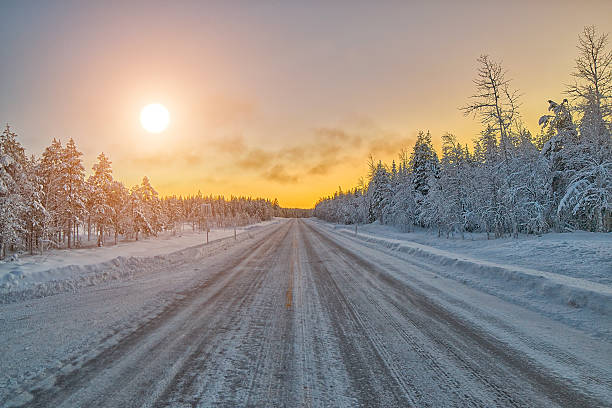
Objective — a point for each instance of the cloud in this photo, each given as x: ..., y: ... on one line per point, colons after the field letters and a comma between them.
x: 279, y: 174
x: 389, y: 144
x: 256, y: 159
x: 322, y: 168
x: 330, y: 151
x: 327, y: 149
x: 293, y: 154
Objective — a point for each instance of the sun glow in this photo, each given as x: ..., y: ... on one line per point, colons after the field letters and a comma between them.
x: 154, y: 118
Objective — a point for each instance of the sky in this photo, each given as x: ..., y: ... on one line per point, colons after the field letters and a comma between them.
x: 276, y: 99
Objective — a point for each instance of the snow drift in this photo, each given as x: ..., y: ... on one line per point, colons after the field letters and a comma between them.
x: 34, y: 280
x: 494, y: 277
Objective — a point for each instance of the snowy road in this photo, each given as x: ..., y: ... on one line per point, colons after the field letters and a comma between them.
x: 294, y: 316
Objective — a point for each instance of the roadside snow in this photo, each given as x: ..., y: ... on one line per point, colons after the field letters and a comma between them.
x: 33, y: 276
x: 571, y: 271
x: 585, y: 255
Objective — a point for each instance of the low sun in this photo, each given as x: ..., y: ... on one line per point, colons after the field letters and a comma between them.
x: 154, y: 118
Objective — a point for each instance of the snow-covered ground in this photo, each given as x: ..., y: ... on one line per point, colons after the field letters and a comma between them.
x: 60, y: 270
x: 296, y: 314
x: 567, y: 276
x: 586, y: 255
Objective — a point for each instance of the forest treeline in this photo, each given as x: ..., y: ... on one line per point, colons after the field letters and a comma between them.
x: 510, y: 181
x: 47, y: 202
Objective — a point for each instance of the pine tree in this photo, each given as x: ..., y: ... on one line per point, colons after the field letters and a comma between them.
x: 36, y: 216
x: 449, y: 199
x: 529, y: 182
x: 49, y: 172
x: 145, y: 209
x: 423, y: 163
x: 72, y: 188
x: 379, y: 190
x: 119, y: 201
x: 12, y: 180
x: 99, y: 183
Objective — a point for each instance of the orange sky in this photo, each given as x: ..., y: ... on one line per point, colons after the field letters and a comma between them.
x: 268, y: 98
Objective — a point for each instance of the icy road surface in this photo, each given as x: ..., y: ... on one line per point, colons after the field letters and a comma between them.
x: 293, y: 316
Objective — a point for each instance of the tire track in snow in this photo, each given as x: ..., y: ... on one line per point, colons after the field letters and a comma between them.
x: 427, y: 360
x: 491, y: 361
x: 233, y: 374
x: 374, y: 378
x: 144, y: 342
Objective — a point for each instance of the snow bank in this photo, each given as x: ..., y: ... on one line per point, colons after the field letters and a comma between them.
x: 68, y: 270
x: 509, y: 280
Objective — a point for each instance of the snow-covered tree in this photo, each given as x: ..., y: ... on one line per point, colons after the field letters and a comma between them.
x: 495, y: 102
x: 12, y: 181
x: 36, y: 216
x: 99, y: 189
x: 589, y: 188
x: 589, y: 194
x: 423, y: 163
x: 512, y: 182
x: 43, y: 202
x: 592, y: 88
x: 445, y: 205
x: 49, y: 172
x: 118, y: 199
x: 379, y: 190
x: 146, y: 211
x: 72, y: 188
x: 529, y: 186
